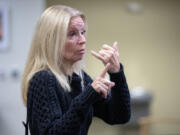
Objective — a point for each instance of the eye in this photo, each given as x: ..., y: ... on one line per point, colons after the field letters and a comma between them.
x: 72, y: 33
x: 83, y: 32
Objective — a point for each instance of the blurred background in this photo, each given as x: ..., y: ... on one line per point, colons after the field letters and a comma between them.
x: 148, y: 35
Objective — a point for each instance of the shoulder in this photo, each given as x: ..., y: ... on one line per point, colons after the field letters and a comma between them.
x: 43, y: 74
x: 42, y: 84
x: 42, y: 78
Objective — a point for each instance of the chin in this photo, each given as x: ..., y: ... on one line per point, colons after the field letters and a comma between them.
x: 79, y: 59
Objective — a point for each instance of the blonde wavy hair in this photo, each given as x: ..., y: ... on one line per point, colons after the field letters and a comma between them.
x: 46, y: 51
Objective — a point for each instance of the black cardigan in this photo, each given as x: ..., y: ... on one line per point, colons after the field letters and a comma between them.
x: 53, y: 111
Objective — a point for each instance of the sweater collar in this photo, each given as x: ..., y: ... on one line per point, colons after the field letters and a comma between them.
x: 74, y: 78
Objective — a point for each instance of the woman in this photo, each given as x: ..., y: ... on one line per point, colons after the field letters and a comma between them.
x: 61, y: 98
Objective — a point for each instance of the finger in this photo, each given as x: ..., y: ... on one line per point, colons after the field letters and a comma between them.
x: 106, y: 52
x: 108, y: 87
x: 115, y: 45
x: 105, y: 87
x: 108, y: 56
x: 103, y: 74
x: 116, y: 48
x: 115, y: 58
x: 106, y: 82
x: 103, y: 92
x: 112, y: 84
x: 98, y: 56
x: 109, y: 91
x: 107, y: 47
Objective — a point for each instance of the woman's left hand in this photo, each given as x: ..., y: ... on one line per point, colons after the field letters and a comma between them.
x: 109, y: 54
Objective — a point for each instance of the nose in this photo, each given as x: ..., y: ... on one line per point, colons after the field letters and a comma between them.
x: 82, y: 39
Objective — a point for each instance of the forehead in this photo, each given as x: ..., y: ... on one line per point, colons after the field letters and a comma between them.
x: 76, y: 22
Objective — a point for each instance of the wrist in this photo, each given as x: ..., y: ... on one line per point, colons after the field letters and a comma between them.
x: 114, y: 69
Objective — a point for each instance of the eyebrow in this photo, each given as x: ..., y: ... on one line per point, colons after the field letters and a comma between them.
x: 76, y: 25
x: 74, y: 28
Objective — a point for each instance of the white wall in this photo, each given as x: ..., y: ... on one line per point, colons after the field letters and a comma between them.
x: 23, y: 15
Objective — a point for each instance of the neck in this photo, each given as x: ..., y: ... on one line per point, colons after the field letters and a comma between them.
x: 69, y: 67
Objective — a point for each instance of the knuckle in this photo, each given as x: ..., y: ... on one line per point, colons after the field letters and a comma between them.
x: 109, y: 57
x: 101, y: 53
x: 104, y: 45
x: 112, y: 53
x: 105, y: 60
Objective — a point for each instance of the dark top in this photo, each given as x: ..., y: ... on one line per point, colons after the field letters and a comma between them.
x: 53, y: 111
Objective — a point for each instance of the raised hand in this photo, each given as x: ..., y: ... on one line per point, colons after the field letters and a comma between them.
x: 101, y: 84
x: 109, y: 54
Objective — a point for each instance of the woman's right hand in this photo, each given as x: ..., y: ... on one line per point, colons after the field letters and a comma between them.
x: 101, y: 84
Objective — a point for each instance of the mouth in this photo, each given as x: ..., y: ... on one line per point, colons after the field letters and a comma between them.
x: 82, y: 51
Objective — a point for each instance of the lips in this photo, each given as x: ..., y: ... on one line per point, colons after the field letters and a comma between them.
x: 82, y: 51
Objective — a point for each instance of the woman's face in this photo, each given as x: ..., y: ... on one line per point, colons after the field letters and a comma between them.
x: 75, y: 42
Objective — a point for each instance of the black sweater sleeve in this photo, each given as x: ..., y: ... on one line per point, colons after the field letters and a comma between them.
x: 116, y: 108
x: 45, y: 112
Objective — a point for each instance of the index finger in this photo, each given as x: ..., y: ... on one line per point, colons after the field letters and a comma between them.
x: 98, y: 56
x: 103, y: 74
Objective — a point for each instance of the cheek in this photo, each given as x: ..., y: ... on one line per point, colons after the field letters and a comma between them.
x: 69, y: 49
